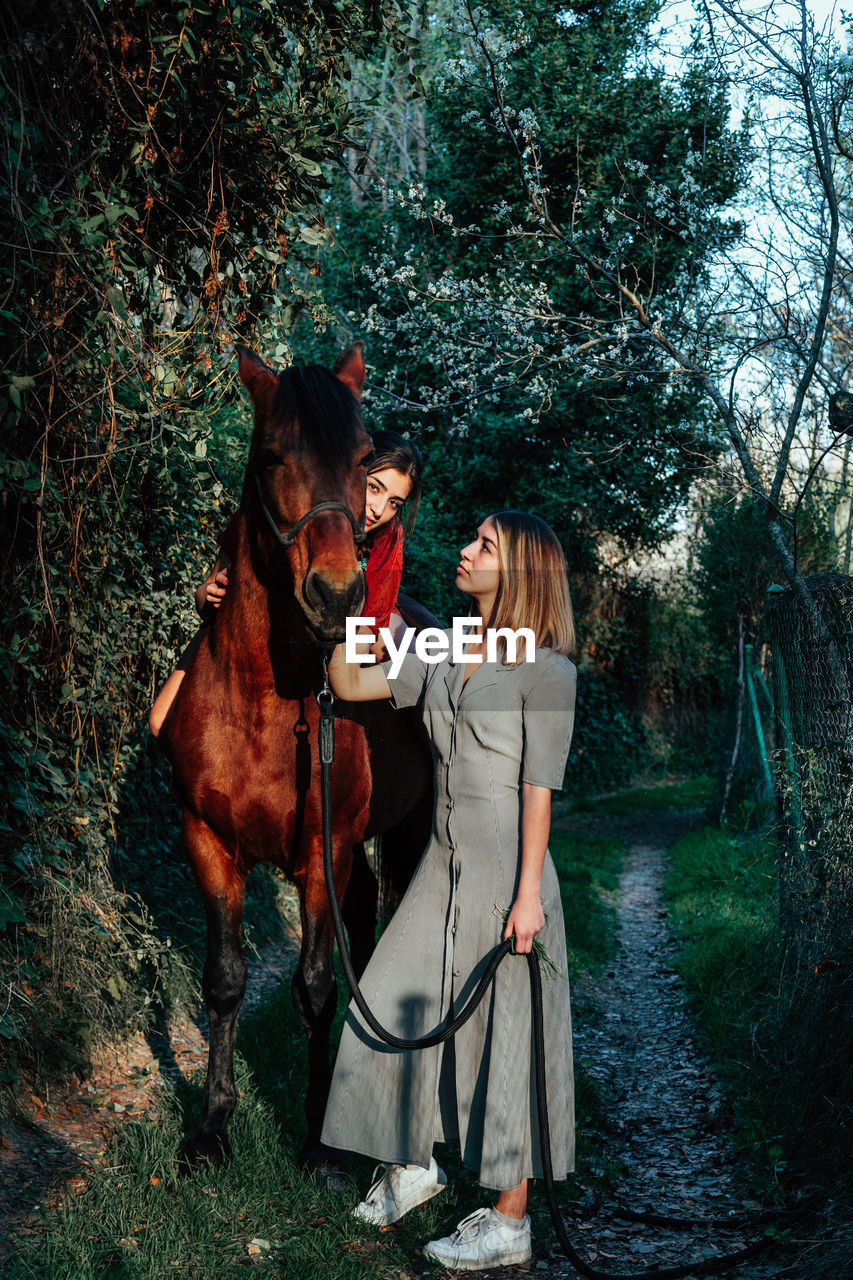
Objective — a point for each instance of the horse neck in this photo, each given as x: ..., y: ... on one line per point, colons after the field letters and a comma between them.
x: 260, y: 630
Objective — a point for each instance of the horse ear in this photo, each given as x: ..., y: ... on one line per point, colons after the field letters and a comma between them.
x: 257, y: 377
x: 349, y: 368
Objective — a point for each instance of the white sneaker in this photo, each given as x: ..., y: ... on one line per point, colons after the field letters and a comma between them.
x: 397, y: 1189
x: 480, y: 1241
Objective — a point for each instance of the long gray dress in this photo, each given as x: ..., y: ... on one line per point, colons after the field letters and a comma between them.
x: 507, y: 725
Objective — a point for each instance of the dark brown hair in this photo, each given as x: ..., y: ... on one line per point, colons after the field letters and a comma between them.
x: 395, y: 451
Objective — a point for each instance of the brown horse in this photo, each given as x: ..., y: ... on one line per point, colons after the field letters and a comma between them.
x: 242, y: 733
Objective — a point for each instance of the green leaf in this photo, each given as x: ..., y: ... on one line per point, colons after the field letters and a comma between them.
x: 116, y: 299
x: 11, y: 909
x: 314, y: 235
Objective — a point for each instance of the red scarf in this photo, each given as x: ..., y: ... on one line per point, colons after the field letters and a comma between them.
x: 383, y: 572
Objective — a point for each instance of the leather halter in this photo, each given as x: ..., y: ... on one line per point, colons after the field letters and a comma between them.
x: 287, y: 538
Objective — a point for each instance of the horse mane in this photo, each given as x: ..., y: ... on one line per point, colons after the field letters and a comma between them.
x: 325, y: 409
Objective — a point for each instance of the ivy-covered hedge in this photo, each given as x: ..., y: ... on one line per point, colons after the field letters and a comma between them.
x: 163, y: 166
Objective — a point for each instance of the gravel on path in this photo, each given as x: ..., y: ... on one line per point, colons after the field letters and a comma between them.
x: 669, y: 1127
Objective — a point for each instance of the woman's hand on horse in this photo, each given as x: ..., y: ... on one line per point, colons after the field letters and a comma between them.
x: 216, y: 588
x: 525, y: 920
x: 211, y: 593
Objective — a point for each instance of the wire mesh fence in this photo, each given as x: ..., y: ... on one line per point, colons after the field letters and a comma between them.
x: 813, y: 682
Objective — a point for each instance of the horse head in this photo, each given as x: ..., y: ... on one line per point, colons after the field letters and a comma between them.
x: 304, y: 490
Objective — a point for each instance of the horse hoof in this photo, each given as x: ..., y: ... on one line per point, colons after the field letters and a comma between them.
x: 204, y: 1148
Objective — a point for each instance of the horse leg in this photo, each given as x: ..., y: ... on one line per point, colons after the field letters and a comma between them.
x: 224, y: 984
x: 315, y: 996
x: 359, y: 910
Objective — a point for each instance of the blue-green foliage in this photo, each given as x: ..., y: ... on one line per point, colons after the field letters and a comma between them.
x: 608, y: 747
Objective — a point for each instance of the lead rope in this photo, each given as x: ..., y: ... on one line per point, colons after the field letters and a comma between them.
x: 448, y: 1028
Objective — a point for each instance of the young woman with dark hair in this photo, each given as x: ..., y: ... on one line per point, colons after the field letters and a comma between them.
x: 393, y: 497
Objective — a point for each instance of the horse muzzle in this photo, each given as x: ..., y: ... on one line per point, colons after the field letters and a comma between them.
x: 329, y: 599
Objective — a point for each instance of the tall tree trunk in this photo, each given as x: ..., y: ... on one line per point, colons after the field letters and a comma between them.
x: 848, y: 540
x: 741, y: 698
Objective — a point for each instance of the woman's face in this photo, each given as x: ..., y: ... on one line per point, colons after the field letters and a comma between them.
x: 387, y: 490
x: 479, y: 571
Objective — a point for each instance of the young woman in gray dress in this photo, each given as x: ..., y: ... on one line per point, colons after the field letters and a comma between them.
x: 500, y: 732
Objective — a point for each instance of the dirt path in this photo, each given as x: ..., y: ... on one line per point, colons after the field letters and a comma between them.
x: 670, y: 1124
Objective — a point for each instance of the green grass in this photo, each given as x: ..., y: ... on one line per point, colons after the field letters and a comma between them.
x: 781, y: 1050
x: 688, y: 793
x: 779, y: 1041
x: 138, y: 1220
x: 721, y: 892
x: 588, y: 868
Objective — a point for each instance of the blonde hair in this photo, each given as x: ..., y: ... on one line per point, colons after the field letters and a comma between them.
x: 534, y: 587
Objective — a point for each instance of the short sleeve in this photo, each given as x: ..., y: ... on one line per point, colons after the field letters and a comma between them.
x: 548, y: 715
x: 408, y: 684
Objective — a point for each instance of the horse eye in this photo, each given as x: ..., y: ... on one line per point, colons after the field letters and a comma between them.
x: 267, y: 458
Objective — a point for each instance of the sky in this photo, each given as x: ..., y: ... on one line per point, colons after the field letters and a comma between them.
x: 821, y: 9
x: 682, y: 13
